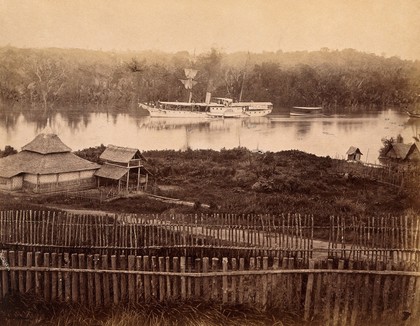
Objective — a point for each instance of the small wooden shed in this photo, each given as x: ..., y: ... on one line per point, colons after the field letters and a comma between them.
x: 354, y: 154
x: 123, y: 167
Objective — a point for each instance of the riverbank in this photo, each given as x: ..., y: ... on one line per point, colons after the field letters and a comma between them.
x: 243, y: 182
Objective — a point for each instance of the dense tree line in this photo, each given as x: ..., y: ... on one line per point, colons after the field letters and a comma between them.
x: 333, y: 79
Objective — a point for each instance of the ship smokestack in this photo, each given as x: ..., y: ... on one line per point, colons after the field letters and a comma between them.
x: 208, y: 97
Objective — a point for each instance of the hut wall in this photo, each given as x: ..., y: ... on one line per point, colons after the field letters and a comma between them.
x: 17, y: 182
x: 414, y: 156
x: 60, y: 182
x: 6, y: 183
x: 69, y: 176
x: 87, y: 174
x: 31, y: 178
x: 48, y: 178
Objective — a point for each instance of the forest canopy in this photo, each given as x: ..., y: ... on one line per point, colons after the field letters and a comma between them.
x: 333, y: 79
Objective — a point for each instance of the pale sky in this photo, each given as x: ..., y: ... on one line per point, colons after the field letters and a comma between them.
x: 390, y: 27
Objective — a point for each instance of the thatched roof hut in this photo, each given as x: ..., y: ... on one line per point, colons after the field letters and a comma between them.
x: 46, y: 164
x: 400, y: 151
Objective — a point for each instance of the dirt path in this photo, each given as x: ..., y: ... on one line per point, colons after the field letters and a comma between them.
x: 82, y: 211
x: 320, y: 247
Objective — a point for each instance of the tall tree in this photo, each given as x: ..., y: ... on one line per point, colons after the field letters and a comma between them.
x: 48, y: 78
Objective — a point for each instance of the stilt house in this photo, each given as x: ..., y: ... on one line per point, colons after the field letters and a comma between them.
x: 122, y: 169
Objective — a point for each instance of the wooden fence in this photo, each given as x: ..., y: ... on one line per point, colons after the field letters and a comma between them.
x: 375, y: 238
x: 224, y: 234
x: 392, y: 174
x: 370, y: 272
x: 337, y: 292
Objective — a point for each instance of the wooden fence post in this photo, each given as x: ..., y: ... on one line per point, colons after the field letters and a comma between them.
x: 168, y: 278
x: 38, y: 275
x: 98, y: 287
x: 225, y: 281
x: 12, y: 273
x: 82, y: 280
x: 161, y: 280
x: 206, y: 286
x: 106, y: 281
x: 154, y: 278
x: 233, y: 280
x: 308, y: 296
x: 214, y: 268
x: 356, y: 307
x: 90, y: 282
x: 183, y: 280
x: 366, y: 294
x: 67, y: 280
x: 74, y: 279
x: 4, y: 275
x: 176, y: 279
x: 123, y: 277
x: 241, y: 281
x: 338, y: 293
x: 376, y: 291
x: 189, y: 279
x: 330, y: 287
x: 29, y: 275
x: 146, y: 279
x: 139, y: 282
x: 197, y: 280
x: 131, y: 280
x: 264, y: 284
x: 251, y: 288
x: 115, y: 281
x: 47, y: 282
x: 21, y: 277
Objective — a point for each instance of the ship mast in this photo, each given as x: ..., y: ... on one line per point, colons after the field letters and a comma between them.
x: 189, y: 82
x: 243, y: 79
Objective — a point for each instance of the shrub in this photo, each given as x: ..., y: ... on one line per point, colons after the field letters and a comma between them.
x: 8, y: 150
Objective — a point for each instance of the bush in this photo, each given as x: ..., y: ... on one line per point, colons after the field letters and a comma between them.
x: 8, y: 150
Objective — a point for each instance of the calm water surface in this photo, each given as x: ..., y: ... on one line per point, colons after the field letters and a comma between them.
x: 329, y: 135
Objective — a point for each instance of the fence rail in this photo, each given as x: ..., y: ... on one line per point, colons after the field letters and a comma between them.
x: 331, y: 291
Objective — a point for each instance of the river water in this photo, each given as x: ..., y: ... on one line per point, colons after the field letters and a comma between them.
x: 327, y: 135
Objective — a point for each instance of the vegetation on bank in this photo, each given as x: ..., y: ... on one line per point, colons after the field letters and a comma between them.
x: 31, y: 310
x: 333, y: 79
x: 8, y: 150
x: 241, y: 181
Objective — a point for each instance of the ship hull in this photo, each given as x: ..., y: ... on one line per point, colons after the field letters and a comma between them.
x: 210, y: 111
x: 163, y: 113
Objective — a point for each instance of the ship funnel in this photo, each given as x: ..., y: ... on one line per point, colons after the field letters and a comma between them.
x: 208, y: 97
